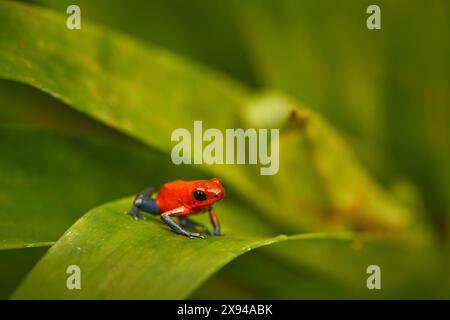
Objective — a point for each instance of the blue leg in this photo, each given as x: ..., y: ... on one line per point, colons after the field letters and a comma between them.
x: 145, y: 203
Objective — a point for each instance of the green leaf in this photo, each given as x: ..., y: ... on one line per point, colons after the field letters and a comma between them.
x: 123, y: 258
x: 147, y: 93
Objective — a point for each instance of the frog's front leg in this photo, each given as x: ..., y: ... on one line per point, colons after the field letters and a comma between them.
x: 144, y: 202
x: 167, y: 218
x: 215, y: 222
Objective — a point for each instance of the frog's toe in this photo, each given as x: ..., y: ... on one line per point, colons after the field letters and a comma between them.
x: 141, y: 216
x: 136, y: 214
x: 193, y: 235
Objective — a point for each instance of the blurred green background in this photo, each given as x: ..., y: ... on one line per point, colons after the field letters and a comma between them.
x: 385, y: 91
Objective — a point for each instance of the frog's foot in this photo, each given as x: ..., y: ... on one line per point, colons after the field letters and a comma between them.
x: 192, y: 235
x: 136, y: 214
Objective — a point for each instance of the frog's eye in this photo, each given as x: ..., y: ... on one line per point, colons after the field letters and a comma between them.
x: 199, y: 195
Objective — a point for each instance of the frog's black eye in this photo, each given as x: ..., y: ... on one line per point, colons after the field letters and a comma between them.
x: 199, y: 195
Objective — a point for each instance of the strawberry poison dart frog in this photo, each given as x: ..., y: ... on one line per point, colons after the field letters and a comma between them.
x: 180, y: 199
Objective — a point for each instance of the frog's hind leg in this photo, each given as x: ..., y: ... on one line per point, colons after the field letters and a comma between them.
x: 191, y: 223
x: 144, y: 202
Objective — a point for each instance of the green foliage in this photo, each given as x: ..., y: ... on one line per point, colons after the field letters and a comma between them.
x: 98, y: 128
x: 151, y: 107
x: 122, y: 259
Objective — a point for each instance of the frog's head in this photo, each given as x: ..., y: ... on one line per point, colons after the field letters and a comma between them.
x: 207, y: 192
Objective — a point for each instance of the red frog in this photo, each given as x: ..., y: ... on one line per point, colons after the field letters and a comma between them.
x: 179, y: 199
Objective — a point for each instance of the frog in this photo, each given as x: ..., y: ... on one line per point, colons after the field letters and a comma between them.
x: 181, y: 199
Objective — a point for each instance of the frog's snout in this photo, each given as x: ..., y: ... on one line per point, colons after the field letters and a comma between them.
x: 219, y: 195
x: 218, y: 192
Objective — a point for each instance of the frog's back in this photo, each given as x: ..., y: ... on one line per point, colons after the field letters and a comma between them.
x: 176, y: 185
x: 172, y: 194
